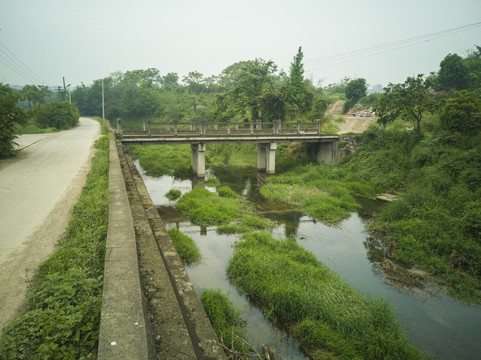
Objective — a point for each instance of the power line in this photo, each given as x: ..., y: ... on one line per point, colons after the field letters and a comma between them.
x: 18, y: 66
x: 379, y: 49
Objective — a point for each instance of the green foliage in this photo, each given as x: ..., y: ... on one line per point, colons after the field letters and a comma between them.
x: 453, y: 73
x: 205, y: 208
x: 225, y: 320
x: 232, y: 154
x: 164, y: 160
x: 35, y: 95
x: 226, y: 192
x: 409, y: 101
x: 355, y: 90
x: 64, y: 297
x: 187, y: 249
x: 60, y: 115
x: 173, y: 194
x: 10, y: 117
x: 291, y: 285
x: 462, y: 113
x: 212, y: 181
x: 319, y: 190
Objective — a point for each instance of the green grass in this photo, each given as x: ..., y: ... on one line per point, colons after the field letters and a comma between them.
x: 212, y: 181
x: 232, y: 154
x: 158, y: 160
x: 225, y: 320
x: 187, y: 249
x: 173, y: 194
x: 64, y: 297
x: 293, y: 287
x: 205, y: 208
x: 246, y: 224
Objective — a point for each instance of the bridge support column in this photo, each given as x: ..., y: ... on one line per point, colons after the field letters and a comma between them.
x: 271, y: 159
x: 329, y: 153
x: 261, y: 156
x: 266, y: 157
x: 198, y: 159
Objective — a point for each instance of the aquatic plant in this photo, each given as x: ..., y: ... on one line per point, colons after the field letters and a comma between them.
x: 293, y: 287
x: 173, y: 194
x: 186, y: 247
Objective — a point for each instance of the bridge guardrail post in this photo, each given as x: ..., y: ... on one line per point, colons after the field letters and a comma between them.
x: 318, y: 124
x: 167, y: 128
x: 143, y: 124
x: 202, y: 127
x: 298, y: 126
x: 275, y: 128
x: 215, y: 125
x: 148, y: 129
x: 228, y: 127
x: 119, y: 127
x: 237, y: 125
x: 252, y: 127
x: 175, y: 129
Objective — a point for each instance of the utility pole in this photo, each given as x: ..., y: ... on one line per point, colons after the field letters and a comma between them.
x: 64, y: 89
x: 103, y: 101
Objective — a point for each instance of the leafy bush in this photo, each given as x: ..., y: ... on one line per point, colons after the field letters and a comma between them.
x: 187, y: 249
x: 60, y: 115
x: 10, y: 117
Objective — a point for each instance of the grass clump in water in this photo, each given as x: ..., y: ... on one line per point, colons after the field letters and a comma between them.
x: 225, y: 320
x: 226, y: 192
x: 187, y: 249
x: 247, y: 223
x: 173, y: 194
x: 291, y: 285
x: 205, y: 208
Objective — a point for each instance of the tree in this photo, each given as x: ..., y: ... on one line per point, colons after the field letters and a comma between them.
x: 10, y: 117
x: 408, y: 100
x: 243, y: 84
x: 272, y: 105
x: 35, y: 95
x: 296, y: 90
x: 60, y: 115
x: 462, y: 113
x: 453, y: 73
x: 195, y: 82
x: 355, y: 90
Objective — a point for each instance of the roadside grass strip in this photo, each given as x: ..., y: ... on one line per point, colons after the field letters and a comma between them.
x: 328, y: 317
x: 64, y: 297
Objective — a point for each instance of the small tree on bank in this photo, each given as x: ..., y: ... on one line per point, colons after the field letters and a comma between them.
x: 408, y: 100
x: 10, y: 117
x: 60, y: 115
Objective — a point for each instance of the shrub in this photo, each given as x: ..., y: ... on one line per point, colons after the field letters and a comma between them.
x: 226, y: 192
x: 10, y: 117
x: 60, y: 115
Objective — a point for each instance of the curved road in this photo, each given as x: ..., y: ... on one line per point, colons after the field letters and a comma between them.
x: 37, y: 191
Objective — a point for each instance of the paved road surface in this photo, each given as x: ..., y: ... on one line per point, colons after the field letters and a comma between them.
x: 37, y: 192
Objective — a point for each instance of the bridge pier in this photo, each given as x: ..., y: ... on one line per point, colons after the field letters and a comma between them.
x: 329, y: 153
x: 198, y: 158
x: 266, y: 157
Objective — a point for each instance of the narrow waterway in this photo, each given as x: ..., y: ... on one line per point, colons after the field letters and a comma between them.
x: 435, y: 323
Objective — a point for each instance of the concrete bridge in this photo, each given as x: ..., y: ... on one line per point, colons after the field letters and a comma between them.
x: 200, y: 133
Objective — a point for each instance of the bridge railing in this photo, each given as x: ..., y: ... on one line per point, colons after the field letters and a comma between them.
x: 217, y: 128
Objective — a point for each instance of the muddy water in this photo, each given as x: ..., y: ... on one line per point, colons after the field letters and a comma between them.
x: 441, y: 327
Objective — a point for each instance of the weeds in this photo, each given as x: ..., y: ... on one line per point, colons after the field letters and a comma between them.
x: 64, y: 297
x: 187, y: 249
x: 173, y: 194
x: 292, y: 286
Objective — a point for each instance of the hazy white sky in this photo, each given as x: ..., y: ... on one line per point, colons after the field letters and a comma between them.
x: 85, y: 40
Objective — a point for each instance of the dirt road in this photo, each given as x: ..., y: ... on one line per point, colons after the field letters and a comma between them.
x: 37, y: 191
x: 350, y: 124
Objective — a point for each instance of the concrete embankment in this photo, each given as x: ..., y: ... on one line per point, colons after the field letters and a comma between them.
x: 149, y: 309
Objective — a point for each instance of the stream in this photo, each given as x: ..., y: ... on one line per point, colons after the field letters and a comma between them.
x: 436, y: 324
